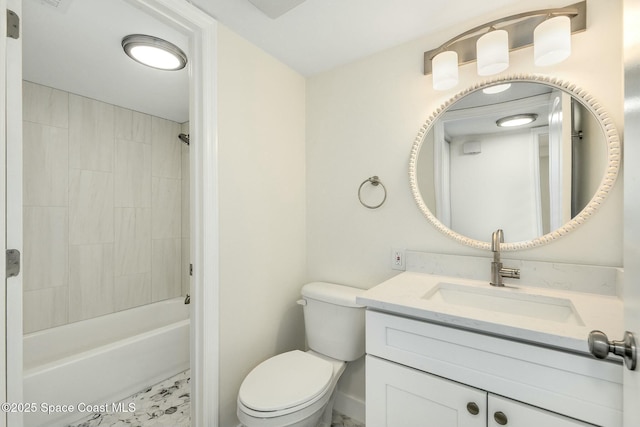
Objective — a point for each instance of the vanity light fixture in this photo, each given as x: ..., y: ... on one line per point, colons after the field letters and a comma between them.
x: 548, y: 30
x: 154, y: 52
x: 516, y: 120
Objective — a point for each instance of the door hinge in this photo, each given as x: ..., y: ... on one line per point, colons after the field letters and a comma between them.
x: 13, y: 262
x: 13, y: 24
x: 190, y: 269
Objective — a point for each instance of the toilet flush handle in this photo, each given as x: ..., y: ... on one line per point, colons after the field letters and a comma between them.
x: 301, y: 302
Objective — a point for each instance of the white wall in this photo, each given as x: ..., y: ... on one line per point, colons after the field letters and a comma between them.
x: 362, y: 119
x: 261, y: 139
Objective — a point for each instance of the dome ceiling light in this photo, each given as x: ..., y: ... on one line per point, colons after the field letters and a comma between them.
x: 516, y: 120
x: 154, y: 52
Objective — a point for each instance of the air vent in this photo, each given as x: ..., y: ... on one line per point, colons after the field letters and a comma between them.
x: 275, y: 8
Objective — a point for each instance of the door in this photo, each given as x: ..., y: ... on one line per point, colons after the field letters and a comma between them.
x: 631, y: 201
x: 410, y: 398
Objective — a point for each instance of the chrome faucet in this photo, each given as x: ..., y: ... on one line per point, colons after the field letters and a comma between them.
x: 497, y: 270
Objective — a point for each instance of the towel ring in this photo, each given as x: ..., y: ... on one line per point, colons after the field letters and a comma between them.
x: 375, y: 181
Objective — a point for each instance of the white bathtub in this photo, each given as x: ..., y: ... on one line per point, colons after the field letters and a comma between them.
x: 103, y: 360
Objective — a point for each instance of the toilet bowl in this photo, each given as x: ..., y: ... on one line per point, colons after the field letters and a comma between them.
x: 291, y: 389
x: 296, y: 388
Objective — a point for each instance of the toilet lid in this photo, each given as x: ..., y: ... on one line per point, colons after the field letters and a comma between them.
x: 284, y: 381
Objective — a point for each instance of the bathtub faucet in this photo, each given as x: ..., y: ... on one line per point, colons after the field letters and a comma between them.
x: 497, y: 270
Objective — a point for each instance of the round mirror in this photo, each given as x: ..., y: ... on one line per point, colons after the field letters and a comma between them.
x: 531, y: 155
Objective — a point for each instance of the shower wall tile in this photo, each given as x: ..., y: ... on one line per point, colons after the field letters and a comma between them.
x: 166, y: 280
x: 185, y: 192
x: 167, y: 148
x: 91, y: 291
x: 45, y: 105
x: 91, y: 134
x: 45, y: 308
x: 46, y: 165
x: 165, y: 202
x: 132, y: 125
x: 45, y: 247
x: 132, y: 174
x: 132, y: 241
x: 132, y: 291
x: 90, y: 207
x: 186, y: 261
x: 100, y: 182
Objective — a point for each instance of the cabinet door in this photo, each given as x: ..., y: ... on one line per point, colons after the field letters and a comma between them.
x: 398, y: 396
x: 507, y: 412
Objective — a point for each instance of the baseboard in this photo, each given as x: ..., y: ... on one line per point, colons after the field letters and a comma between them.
x: 350, y: 406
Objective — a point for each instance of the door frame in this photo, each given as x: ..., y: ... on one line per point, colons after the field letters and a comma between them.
x: 631, y: 243
x: 202, y: 31
x: 203, y: 160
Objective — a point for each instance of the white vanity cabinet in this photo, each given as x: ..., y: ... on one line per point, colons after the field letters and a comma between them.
x: 423, y: 374
x: 410, y: 398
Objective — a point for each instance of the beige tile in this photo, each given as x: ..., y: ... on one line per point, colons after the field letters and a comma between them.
x: 132, y: 291
x: 45, y: 247
x: 91, y: 134
x: 166, y: 281
x: 186, y: 261
x: 167, y: 148
x: 123, y: 123
x: 185, y: 194
x: 132, y: 174
x: 141, y: 128
x: 45, y: 308
x: 133, y: 241
x: 167, y: 208
x: 91, y: 291
x: 46, y: 165
x: 90, y: 207
x: 44, y: 105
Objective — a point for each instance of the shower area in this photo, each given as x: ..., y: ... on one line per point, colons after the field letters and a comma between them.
x: 106, y: 246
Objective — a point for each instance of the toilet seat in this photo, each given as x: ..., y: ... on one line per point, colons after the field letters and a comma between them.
x: 285, y: 383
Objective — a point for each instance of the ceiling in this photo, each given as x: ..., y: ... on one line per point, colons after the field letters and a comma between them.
x: 76, y: 45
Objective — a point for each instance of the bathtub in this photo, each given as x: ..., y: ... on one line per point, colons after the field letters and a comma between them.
x: 102, y: 360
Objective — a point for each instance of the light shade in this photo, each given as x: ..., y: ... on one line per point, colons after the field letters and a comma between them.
x: 445, y: 70
x: 552, y: 41
x: 154, y: 52
x: 492, y: 51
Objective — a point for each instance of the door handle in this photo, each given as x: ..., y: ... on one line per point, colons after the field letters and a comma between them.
x: 600, y: 347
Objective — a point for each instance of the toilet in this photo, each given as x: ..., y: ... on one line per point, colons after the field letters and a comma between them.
x: 297, y: 388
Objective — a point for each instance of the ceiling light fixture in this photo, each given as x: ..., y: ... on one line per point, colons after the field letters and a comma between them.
x: 516, y: 120
x: 548, y: 30
x: 154, y: 52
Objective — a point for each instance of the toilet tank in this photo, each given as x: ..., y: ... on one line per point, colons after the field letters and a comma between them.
x: 334, y: 322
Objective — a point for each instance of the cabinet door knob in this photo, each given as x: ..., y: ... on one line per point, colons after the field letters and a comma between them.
x: 473, y: 409
x: 500, y: 418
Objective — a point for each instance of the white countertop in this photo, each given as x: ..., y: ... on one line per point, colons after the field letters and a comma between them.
x: 414, y: 295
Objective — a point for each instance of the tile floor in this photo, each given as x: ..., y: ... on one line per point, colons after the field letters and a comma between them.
x: 166, y: 404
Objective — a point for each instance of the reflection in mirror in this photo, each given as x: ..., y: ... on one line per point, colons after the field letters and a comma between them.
x: 471, y: 175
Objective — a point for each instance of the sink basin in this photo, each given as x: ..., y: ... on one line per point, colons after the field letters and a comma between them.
x: 505, y: 300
